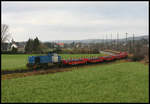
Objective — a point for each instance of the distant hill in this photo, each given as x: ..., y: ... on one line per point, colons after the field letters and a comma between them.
x: 100, y: 40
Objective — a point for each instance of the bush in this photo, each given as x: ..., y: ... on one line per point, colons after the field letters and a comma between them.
x: 14, y: 50
x: 10, y: 52
x: 137, y: 57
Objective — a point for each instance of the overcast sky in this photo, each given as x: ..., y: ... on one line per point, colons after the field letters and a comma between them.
x: 74, y: 20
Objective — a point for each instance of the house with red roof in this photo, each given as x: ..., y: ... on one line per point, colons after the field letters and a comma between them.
x: 60, y: 44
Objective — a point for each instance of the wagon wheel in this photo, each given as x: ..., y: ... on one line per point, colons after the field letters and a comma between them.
x: 60, y: 64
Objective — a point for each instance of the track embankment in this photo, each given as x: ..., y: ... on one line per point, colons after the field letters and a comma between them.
x: 23, y: 73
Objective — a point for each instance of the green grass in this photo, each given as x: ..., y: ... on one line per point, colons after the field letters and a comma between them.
x: 13, y: 62
x: 120, y: 82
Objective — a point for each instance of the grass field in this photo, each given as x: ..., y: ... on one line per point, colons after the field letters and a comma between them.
x: 12, y: 62
x: 119, y: 82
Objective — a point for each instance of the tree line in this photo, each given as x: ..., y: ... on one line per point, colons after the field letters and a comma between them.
x: 35, y: 46
x: 32, y: 46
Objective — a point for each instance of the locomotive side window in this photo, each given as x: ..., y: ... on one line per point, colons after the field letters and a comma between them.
x: 37, y: 60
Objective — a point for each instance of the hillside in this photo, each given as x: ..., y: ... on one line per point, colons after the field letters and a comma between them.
x: 120, y: 82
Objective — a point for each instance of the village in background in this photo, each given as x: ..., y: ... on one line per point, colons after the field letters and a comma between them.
x: 138, y: 46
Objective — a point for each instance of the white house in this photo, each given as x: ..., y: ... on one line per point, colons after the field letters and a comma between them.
x: 14, y: 45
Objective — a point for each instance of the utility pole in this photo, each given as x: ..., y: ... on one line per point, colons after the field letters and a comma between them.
x: 117, y: 40
x: 126, y: 41
x: 103, y: 42
x: 126, y: 37
x: 111, y: 41
x: 133, y: 42
x: 106, y: 41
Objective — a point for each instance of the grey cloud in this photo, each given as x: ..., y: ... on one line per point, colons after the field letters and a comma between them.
x: 74, y: 20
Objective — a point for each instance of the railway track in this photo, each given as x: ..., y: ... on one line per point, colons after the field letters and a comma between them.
x: 24, y: 73
x: 4, y: 72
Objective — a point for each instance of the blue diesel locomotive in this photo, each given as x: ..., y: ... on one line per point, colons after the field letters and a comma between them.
x: 43, y: 61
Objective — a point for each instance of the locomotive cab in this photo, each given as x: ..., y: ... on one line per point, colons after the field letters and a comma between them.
x: 55, y: 58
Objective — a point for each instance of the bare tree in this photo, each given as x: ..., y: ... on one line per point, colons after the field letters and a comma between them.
x: 5, y: 35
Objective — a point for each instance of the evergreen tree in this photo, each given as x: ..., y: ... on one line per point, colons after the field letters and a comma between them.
x: 36, y: 45
x: 29, y: 46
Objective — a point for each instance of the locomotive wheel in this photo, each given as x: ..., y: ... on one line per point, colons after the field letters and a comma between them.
x: 30, y: 66
x: 35, y: 66
x: 45, y: 65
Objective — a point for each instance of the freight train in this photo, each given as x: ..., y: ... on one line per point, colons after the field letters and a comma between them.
x: 35, y: 62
